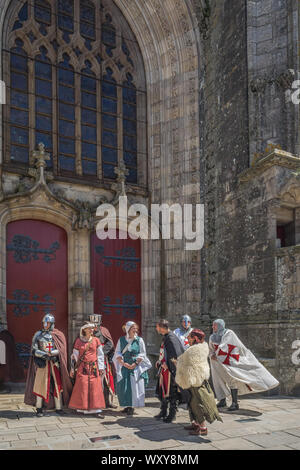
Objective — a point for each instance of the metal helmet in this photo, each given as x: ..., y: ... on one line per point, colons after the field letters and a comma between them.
x: 48, y: 318
x: 97, y: 319
x: 186, y: 319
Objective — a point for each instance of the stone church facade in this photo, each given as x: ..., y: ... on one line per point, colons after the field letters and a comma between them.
x: 173, y: 101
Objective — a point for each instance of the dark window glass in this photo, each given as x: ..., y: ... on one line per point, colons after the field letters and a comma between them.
x: 66, y: 94
x: 67, y: 146
x: 89, y: 167
x: 67, y: 163
x: 19, y: 99
x: 43, y: 105
x: 43, y: 88
x: 66, y: 6
x: 109, y: 106
x: 46, y: 139
x: 108, y: 171
x: 67, y: 111
x: 87, y: 30
x: 109, y: 155
x: 19, y: 81
x: 129, y: 111
x: 88, y: 83
x: 109, y: 90
x: 19, y: 154
x: 66, y: 128
x: 43, y: 123
x: 132, y: 176
x: 42, y: 12
x: 130, y: 159
x: 129, y: 127
x: 18, y: 62
x: 129, y: 143
x: 129, y: 95
x: 19, y: 135
x: 109, y: 122
x: 88, y: 116
x: 66, y: 23
x: 43, y: 70
x: 19, y: 117
x: 109, y: 36
x: 109, y: 138
x: 66, y: 76
x: 88, y: 100
x: 89, y: 133
x: 89, y: 150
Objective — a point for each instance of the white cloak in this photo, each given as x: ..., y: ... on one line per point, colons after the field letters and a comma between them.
x: 237, y: 367
x: 192, y: 366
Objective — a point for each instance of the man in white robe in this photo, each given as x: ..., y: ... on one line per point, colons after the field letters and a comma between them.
x: 234, y: 368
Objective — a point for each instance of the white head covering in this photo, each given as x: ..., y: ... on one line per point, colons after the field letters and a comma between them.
x: 87, y: 325
x: 128, y: 325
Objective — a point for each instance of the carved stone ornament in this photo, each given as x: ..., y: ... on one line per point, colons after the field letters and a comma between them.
x: 120, y: 186
x: 283, y: 80
x: 276, y: 158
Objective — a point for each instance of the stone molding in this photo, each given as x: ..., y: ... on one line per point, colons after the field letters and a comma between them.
x: 276, y: 158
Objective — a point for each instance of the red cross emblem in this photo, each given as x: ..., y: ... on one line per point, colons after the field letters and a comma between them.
x: 229, y: 355
x: 49, y: 347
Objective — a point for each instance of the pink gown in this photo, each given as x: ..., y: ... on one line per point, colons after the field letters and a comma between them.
x: 88, y: 391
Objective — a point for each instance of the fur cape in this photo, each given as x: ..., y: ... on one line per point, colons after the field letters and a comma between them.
x: 192, y: 366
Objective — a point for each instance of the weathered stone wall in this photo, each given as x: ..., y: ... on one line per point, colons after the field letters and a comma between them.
x: 248, y: 50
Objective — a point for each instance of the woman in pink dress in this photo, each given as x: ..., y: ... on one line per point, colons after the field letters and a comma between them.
x: 88, y: 360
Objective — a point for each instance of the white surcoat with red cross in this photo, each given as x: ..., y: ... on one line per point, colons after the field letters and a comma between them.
x: 237, y: 367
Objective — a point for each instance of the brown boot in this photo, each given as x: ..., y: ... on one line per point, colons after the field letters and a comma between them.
x: 199, y: 431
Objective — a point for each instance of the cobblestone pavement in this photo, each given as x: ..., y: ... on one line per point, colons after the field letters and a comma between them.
x: 262, y: 423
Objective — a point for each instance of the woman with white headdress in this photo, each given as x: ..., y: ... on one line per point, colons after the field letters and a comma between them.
x: 131, y: 363
x: 88, y: 364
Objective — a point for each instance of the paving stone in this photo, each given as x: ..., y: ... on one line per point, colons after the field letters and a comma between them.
x: 25, y: 444
x: 54, y: 440
x: 4, y: 445
x: 9, y: 437
x: 32, y: 435
x: 273, y: 439
x: 235, y: 444
x: 59, y: 432
x: 7, y: 431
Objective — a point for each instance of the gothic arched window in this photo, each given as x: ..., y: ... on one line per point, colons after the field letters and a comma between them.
x: 77, y: 84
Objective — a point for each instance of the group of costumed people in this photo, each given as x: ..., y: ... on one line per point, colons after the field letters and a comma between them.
x: 98, y: 370
x: 185, y: 366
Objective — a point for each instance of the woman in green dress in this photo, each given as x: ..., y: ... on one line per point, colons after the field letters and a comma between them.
x: 132, y: 364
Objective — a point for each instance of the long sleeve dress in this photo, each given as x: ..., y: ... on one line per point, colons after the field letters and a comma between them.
x: 87, y: 395
x: 131, y: 383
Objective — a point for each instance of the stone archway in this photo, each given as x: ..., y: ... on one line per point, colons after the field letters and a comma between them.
x: 169, y: 42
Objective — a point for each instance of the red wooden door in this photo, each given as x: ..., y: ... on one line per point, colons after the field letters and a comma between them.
x: 116, y: 279
x: 37, y: 280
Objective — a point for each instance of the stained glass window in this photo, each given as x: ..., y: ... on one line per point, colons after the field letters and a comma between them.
x: 43, y: 101
x: 66, y: 116
x: 76, y: 75
x: 19, y: 110
x: 109, y: 125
